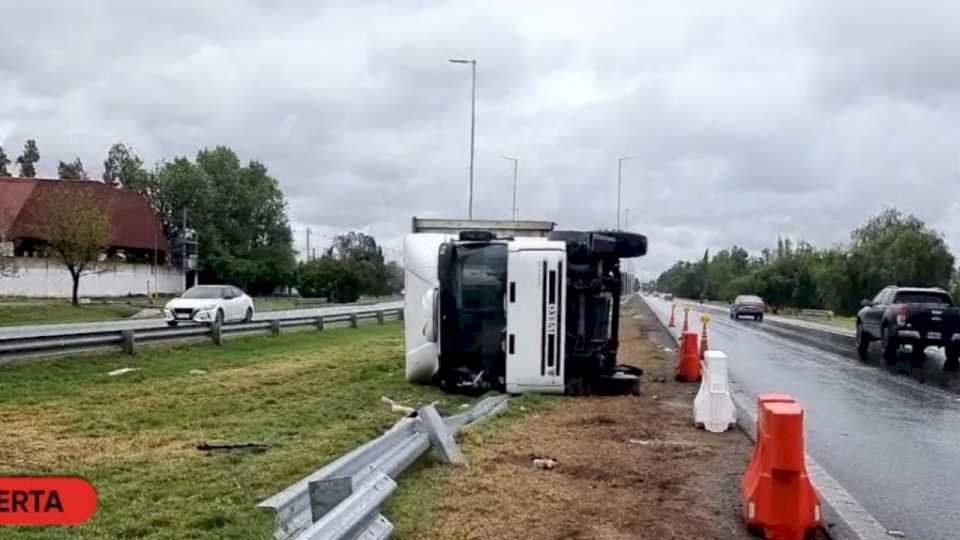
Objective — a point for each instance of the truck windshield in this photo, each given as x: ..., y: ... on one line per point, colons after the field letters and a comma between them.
x: 482, y: 279
x: 931, y: 298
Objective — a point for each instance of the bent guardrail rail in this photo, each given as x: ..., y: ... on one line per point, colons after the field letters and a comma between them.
x: 127, y: 339
x: 342, y: 499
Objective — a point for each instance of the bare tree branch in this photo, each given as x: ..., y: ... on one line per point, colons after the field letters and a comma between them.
x: 76, y: 231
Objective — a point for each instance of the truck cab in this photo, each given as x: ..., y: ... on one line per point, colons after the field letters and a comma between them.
x: 514, y: 314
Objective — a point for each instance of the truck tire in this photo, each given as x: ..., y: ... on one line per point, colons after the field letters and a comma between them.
x: 863, y: 342
x: 890, y: 345
x: 760, y: 317
x: 952, y: 363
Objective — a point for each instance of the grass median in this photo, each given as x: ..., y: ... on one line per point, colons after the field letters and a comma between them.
x: 57, y: 311
x: 309, y: 396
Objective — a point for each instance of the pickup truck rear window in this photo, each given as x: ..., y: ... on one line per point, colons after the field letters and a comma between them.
x: 931, y: 298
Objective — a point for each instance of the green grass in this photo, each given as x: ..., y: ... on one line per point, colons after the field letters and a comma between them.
x: 59, y: 311
x: 311, y: 396
x: 848, y: 323
x: 275, y: 303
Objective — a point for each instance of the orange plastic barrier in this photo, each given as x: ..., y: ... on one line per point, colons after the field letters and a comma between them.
x: 688, y: 365
x: 753, y: 469
x: 778, y: 498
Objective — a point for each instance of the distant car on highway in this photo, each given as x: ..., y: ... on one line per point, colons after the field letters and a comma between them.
x: 912, y: 316
x: 667, y: 296
x: 748, y: 305
x: 207, y: 304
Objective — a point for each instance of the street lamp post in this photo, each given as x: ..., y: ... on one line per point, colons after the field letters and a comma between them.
x: 620, y: 184
x: 516, y: 212
x: 473, y: 113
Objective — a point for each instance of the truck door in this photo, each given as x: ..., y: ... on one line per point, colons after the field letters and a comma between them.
x: 535, y: 337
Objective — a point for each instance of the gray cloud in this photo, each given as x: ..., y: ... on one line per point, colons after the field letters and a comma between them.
x: 748, y: 120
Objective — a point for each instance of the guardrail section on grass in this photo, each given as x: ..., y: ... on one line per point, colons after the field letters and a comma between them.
x: 127, y: 340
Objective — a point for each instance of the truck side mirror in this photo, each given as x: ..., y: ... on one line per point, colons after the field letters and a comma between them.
x: 866, y: 303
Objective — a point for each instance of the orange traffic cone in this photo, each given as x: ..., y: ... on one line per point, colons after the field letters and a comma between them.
x: 688, y: 365
x: 776, y: 492
x: 704, y: 347
x: 671, y: 324
x: 686, y: 319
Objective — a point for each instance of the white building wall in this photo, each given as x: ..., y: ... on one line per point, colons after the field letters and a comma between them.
x: 47, y: 278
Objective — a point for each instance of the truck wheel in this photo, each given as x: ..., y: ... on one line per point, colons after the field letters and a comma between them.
x: 890, y: 345
x: 760, y: 317
x: 952, y: 362
x: 863, y: 342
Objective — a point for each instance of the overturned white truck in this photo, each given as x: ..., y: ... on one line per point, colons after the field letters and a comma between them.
x: 516, y: 314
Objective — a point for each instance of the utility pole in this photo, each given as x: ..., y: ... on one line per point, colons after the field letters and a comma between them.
x: 473, y: 114
x: 620, y: 184
x: 308, y: 244
x: 516, y: 162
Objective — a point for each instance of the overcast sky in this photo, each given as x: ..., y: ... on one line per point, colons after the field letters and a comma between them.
x: 748, y: 120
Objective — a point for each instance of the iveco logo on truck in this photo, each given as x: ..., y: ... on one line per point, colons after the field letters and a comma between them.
x: 513, y: 313
x: 552, y: 319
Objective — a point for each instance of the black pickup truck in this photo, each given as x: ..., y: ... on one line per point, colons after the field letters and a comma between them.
x: 910, y: 316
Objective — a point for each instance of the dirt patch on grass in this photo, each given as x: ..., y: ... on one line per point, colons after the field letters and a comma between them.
x: 627, y: 466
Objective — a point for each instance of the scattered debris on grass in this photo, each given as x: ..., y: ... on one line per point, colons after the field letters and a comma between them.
x: 256, y: 448
x: 121, y: 371
x: 397, y: 408
x: 197, y: 372
x: 546, y: 464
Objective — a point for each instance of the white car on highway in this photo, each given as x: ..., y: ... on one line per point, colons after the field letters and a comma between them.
x: 208, y: 304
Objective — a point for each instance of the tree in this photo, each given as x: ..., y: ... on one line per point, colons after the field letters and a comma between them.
x: 125, y: 168
x: 4, y: 161
x: 28, y: 160
x: 72, y: 171
x: 894, y: 249
x: 75, y: 231
x: 239, y: 213
x: 366, y: 257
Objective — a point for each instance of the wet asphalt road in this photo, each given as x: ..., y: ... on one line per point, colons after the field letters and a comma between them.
x: 127, y: 324
x: 891, y: 441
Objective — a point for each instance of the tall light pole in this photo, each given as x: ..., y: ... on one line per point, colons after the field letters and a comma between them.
x: 620, y: 184
x: 473, y: 114
x: 626, y: 225
x: 516, y: 162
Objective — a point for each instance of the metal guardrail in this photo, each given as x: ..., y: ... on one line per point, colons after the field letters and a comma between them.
x: 819, y: 313
x: 127, y: 340
x: 342, y: 500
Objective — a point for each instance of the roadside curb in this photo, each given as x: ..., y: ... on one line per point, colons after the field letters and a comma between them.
x: 848, y: 520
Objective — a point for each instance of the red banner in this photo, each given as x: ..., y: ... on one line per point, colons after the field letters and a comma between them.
x: 46, y: 500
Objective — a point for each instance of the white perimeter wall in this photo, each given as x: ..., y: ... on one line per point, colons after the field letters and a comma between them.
x: 47, y: 278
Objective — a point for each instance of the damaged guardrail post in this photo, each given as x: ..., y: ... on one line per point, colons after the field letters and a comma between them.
x: 353, y: 320
x: 380, y: 317
x: 275, y: 327
x: 319, y: 323
x: 441, y: 439
x: 341, y: 500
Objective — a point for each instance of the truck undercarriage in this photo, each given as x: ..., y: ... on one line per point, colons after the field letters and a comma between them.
x: 578, y: 324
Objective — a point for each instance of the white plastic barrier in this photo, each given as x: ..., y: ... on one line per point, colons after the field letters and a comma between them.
x: 713, y: 408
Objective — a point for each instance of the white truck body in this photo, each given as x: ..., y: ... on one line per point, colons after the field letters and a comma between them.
x: 534, y: 341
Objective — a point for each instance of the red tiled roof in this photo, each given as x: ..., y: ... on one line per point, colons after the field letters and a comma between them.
x: 134, y: 224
